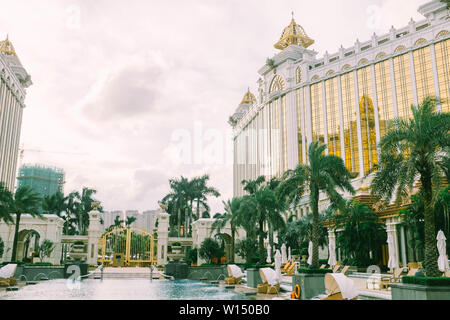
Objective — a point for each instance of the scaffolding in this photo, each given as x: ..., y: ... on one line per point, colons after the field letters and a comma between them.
x: 43, y: 179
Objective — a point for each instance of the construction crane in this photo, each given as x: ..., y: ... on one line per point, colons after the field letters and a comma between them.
x: 22, y: 150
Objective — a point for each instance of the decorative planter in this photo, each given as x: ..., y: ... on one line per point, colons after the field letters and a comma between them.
x: 311, y: 285
x: 253, y: 278
x: 406, y: 291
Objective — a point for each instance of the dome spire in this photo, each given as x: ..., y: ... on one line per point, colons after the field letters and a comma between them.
x: 7, y: 48
x: 248, y: 98
x: 293, y: 34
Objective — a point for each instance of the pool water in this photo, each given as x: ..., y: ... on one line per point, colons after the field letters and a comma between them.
x: 122, y: 289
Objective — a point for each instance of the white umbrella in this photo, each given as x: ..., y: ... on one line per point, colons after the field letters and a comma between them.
x: 310, y: 252
x: 442, y: 260
x: 393, y: 262
x: 283, y: 253
x: 289, y: 254
x: 278, y: 264
x: 332, y: 252
x: 269, y: 259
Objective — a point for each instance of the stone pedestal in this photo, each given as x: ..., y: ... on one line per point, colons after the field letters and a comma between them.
x: 163, y: 237
x: 94, y: 234
x: 253, y: 278
x: 311, y: 285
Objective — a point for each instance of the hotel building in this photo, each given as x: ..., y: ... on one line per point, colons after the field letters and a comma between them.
x: 343, y: 99
x: 13, y: 81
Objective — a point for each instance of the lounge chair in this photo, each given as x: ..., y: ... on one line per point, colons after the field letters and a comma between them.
x: 339, y: 287
x: 447, y: 273
x: 7, y: 275
x: 291, y: 269
x: 386, y: 281
x: 336, y: 268
x: 345, y: 269
x: 412, y: 272
x: 323, y: 266
x: 286, y: 267
x: 235, y: 274
x: 270, y: 285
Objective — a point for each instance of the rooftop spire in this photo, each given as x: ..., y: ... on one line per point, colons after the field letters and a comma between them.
x: 248, y: 98
x: 7, y: 48
x: 293, y: 34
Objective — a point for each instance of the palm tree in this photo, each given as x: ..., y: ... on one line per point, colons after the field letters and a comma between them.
x: 177, y: 199
x: 275, y: 219
x: 57, y: 204
x: 259, y: 203
x: 26, y: 200
x: 231, y: 214
x: 324, y: 173
x: 411, y: 150
x: 80, y: 205
x: 129, y: 221
x: 6, y: 199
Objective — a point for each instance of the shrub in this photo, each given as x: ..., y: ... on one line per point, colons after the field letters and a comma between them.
x: 191, y: 256
x: 210, y: 249
x: 304, y: 251
x: 176, y: 244
x: 39, y: 264
x: 314, y: 271
x: 45, y: 249
x: 427, y: 281
x: 247, y: 249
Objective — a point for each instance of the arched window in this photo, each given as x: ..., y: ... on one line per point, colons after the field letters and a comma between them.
x: 330, y: 72
x: 400, y: 49
x: 346, y: 67
x: 380, y: 55
x: 277, y: 84
x: 362, y: 61
x: 316, y: 77
x: 420, y: 41
x: 298, y: 75
x: 442, y: 34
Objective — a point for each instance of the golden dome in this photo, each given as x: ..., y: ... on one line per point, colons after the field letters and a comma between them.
x: 248, y: 98
x: 293, y: 34
x: 7, y: 48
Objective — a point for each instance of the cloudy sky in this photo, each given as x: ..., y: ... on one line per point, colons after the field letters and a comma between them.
x: 120, y: 87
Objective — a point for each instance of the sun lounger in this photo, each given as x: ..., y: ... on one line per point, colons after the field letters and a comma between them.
x: 336, y: 268
x: 323, y: 266
x: 291, y: 269
x: 270, y: 285
x: 345, y: 269
x: 7, y: 275
x: 235, y: 274
x: 286, y: 267
x: 412, y: 272
x: 339, y: 287
x: 447, y: 273
x: 386, y: 281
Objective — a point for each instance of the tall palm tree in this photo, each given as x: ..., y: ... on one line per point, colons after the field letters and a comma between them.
x: 57, y: 204
x: 6, y: 199
x: 275, y: 221
x: 231, y: 215
x: 177, y: 199
x: 80, y: 205
x: 26, y: 200
x: 324, y: 173
x: 260, y: 202
x: 411, y: 150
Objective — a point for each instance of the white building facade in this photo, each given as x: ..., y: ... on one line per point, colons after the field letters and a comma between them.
x: 14, y: 79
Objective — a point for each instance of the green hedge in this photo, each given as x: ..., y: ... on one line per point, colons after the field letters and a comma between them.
x: 39, y: 264
x: 314, y: 271
x: 427, y: 281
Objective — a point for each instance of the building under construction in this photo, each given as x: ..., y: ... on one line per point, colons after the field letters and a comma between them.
x: 43, y: 179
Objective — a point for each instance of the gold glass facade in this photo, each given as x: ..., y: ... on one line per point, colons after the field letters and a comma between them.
x: 333, y: 127
x: 424, y: 73
x: 317, y: 112
x: 443, y: 70
x: 350, y: 128
x: 403, y: 85
x: 384, y: 95
x: 367, y: 117
x: 299, y: 126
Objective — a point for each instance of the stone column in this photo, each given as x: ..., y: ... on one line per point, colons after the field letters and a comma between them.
x: 163, y: 237
x: 391, y: 229
x: 94, y: 234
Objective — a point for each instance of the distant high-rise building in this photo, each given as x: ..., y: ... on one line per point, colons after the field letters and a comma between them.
x: 14, y: 79
x: 44, y: 180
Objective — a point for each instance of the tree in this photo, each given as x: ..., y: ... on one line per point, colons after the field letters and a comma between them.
x: 46, y: 249
x: 210, y: 249
x: 416, y: 149
x: 259, y: 204
x: 324, y: 173
x: 2, y: 247
x: 129, y: 221
x: 57, y: 204
x: 26, y: 200
x: 363, y: 233
x: 230, y: 215
x: 275, y: 219
x: 6, y: 199
x: 246, y: 249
